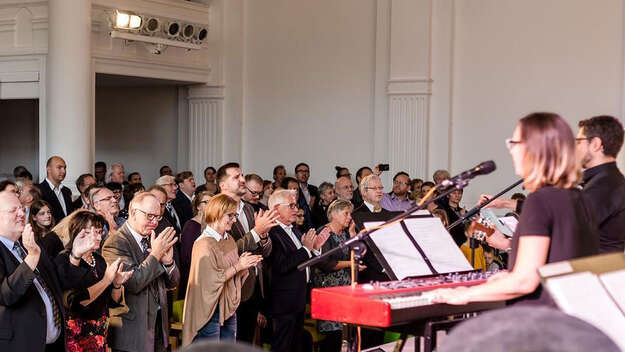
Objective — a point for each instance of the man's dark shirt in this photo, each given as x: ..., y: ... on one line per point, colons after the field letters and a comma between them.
x: 604, y: 187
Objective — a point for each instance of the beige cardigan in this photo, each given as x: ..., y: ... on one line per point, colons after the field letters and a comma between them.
x: 212, y: 280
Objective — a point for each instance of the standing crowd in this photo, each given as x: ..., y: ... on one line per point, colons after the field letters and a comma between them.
x: 114, y: 267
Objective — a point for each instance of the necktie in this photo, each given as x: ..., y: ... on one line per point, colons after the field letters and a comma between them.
x: 145, y: 245
x: 173, y: 214
x: 377, y: 209
x: 56, y: 312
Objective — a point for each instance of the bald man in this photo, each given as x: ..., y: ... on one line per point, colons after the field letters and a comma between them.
x: 53, y: 191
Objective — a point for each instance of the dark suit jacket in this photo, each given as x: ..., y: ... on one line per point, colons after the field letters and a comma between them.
x: 183, y: 204
x: 246, y: 243
x: 128, y: 325
x: 319, y: 215
x: 48, y: 195
x: 287, y: 293
x: 171, y: 220
x: 77, y: 204
x: 373, y: 272
x: 22, y: 311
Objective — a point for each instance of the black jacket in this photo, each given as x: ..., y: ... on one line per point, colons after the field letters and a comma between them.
x: 48, y: 195
x: 373, y: 272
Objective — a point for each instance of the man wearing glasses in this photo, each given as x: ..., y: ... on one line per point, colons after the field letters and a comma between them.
x: 309, y: 192
x: 103, y: 201
x: 254, y: 192
x: 172, y: 213
x: 397, y: 199
x: 145, y: 325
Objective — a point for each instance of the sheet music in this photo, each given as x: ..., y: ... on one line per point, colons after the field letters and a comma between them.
x: 406, y: 261
x: 438, y: 245
x: 582, y: 295
x: 614, y: 283
x: 399, y: 252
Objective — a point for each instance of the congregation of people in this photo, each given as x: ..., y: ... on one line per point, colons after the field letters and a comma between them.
x: 104, y: 269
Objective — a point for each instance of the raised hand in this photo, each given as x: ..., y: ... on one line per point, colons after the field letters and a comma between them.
x: 111, y: 270
x: 28, y: 241
x: 308, y: 239
x: 499, y: 240
x: 248, y: 260
x: 83, y: 242
x: 352, y: 229
x: 162, y: 243
x: 264, y: 221
x: 321, y: 238
x: 499, y: 203
x: 121, y: 276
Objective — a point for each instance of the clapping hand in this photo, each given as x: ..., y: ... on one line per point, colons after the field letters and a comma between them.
x: 248, y: 260
x: 84, y: 242
x: 321, y: 238
x: 28, y: 241
x: 264, y: 221
x: 114, y: 273
x: 162, y: 245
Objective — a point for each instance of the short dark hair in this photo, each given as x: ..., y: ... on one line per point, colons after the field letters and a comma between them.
x: 517, y: 196
x: 160, y: 171
x: 428, y: 183
x: 223, y: 171
x: 5, y: 183
x: 254, y: 177
x: 360, y: 171
x: 275, y: 169
x: 80, y: 181
x: 399, y: 174
x: 18, y: 170
x: 608, y: 129
x: 100, y: 164
x: 301, y: 164
x: 338, y: 170
x: 132, y: 174
x: 285, y: 182
x: 130, y: 190
x: 114, y: 186
x: 181, y: 176
x: 209, y: 168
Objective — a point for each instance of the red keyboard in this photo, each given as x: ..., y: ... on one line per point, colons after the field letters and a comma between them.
x: 385, y: 304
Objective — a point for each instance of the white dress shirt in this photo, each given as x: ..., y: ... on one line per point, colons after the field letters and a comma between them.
x: 243, y: 220
x: 289, y: 230
x: 210, y: 232
x: 59, y: 194
x: 52, y: 332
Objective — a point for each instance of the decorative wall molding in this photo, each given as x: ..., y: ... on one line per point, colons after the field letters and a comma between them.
x: 419, y: 86
x: 205, y: 117
x: 135, y: 67
x: 180, y: 10
x: 408, y: 137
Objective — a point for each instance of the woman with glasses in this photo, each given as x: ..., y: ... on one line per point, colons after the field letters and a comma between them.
x: 335, y: 271
x: 556, y: 223
x: 216, y: 276
x: 98, y: 287
x: 190, y: 232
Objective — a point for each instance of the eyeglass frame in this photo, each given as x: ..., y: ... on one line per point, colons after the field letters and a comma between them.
x: 254, y: 193
x: 151, y: 217
x: 290, y: 205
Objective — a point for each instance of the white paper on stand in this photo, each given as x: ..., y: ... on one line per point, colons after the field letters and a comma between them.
x: 404, y: 258
x: 582, y: 295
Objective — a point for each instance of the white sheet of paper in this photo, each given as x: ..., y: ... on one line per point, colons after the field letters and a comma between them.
x: 438, y: 245
x: 614, y: 283
x: 406, y: 261
x: 582, y: 295
x: 510, y: 221
x: 422, y: 212
x: 399, y: 252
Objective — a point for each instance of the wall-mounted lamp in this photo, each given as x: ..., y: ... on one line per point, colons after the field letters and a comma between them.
x: 125, y: 20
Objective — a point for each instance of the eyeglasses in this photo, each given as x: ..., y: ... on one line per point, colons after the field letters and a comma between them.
x: 381, y: 188
x: 290, y: 205
x: 174, y: 185
x: 106, y: 199
x: 302, y: 171
x: 150, y: 217
x: 254, y: 193
x: 400, y: 183
x: 232, y: 216
x: 510, y: 143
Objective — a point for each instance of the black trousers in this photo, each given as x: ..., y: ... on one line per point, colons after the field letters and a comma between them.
x: 247, y: 312
x: 287, y: 332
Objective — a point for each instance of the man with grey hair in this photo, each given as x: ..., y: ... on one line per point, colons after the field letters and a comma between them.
x: 319, y: 210
x: 102, y: 201
x: 118, y: 175
x: 287, y: 298
x: 172, y: 213
x: 440, y: 176
x: 344, y: 188
x: 145, y: 327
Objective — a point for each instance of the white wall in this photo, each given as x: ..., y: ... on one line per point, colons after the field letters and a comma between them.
x: 309, y: 85
x: 515, y: 57
x: 137, y: 127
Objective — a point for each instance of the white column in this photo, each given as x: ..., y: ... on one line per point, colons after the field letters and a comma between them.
x: 70, y: 86
x: 205, y: 129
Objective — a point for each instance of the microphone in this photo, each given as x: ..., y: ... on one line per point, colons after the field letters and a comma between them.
x: 483, y: 168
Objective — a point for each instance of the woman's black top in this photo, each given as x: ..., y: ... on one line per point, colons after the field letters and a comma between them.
x: 78, y: 287
x: 564, y: 216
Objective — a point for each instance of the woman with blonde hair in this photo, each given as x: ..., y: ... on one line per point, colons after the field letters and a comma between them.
x: 216, y: 276
x: 556, y: 223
